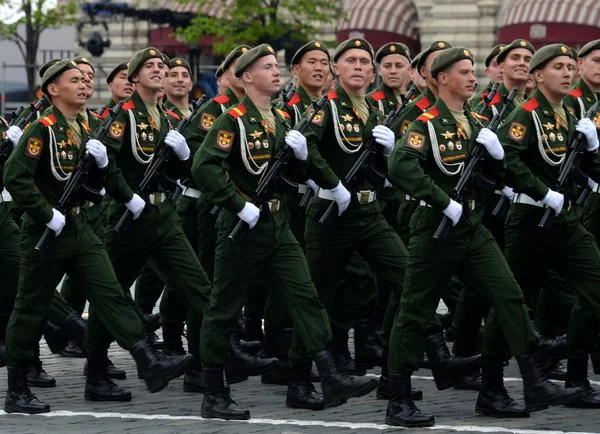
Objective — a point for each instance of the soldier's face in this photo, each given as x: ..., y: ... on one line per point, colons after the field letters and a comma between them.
x: 234, y: 82
x: 394, y: 70
x: 556, y: 77
x: 494, y: 71
x: 459, y: 80
x: 313, y: 69
x: 223, y: 83
x: 354, y: 68
x: 589, y: 67
x: 120, y: 87
x: 516, y: 65
x: 151, y: 74
x: 88, y: 78
x: 70, y: 88
x: 264, y: 75
x: 329, y: 83
x: 179, y: 83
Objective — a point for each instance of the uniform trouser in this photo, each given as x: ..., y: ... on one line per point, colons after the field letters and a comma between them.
x: 147, y: 289
x: 79, y: 253
x: 569, y: 249
x: 271, y: 252
x: 471, y: 253
x: 158, y: 238
x: 207, y: 235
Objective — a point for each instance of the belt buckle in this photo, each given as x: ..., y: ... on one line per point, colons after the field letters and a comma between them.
x: 156, y: 198
x: 364, y: 196
x: 274, y: 205
x: 75, y: 210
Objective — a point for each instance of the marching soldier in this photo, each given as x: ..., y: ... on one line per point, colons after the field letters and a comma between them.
x: 178, y: 87
x: 416, y: 80
x: 493, y: 70
x: 394, y: 68
x: 119, y: 87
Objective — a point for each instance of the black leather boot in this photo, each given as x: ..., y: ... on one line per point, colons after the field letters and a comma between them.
x: 577, y: 377
x: 383, y: 387
x: 443, y: 365
x: 367, y: 345
x: 539, y: 393
x: 243, y: 365
x: 98, y: 385
x: 493, y: 398
x: 56, y: 339
x: 36, y: 376
x: 173, y: 344
x: 72, y: 350
x: 401, y: 410
x: 338, y: 387
x: 193, y: 381
x: 156, y: 368
x: 19, y: 398
x: 279, y: 347
x: 470, y: 381
x: 113, y: 372
x: 556, y: 371
x: 74, y: 327
x: 340, y: 353
x: 550, y: 351
x: 301, y: 393
x: 152, y: 322
x: 217, y: 402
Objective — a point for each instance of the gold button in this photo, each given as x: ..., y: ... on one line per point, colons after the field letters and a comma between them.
x: 466, y: 53
x: 357, y: 43
x: 152, y: 53
x: 179, y: 62
x: 318, y: 45
x: 441, y: 45
x: 564, y: 49
x: 393, y: 48
x: 270, y: 49
x: 523, y: 44
x: 244, y: 50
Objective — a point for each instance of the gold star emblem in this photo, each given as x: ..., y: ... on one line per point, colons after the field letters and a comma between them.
x: 62, y: 144
x: 448, y: 135
x: 347, y: 118
x: 252, y: 119
x: 143, y: 126
x: 344, y: 104
x: 255, y: 135
x: 549, y: 126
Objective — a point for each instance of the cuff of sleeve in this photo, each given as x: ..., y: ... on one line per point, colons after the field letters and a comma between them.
x: 539, y: 191
x: 47, y: 214
x: 237, y: 204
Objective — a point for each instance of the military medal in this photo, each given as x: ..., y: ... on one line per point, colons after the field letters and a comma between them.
x: 144, y: 136
x: 342, y: 127
x: 545, y: 137
x: 142, y: 126
x: 267, y: 128
x: 151, y: 136
x: 356, y: 128
x: 62, y: 144
x: 258, y: 145
x: 347, y: 118
x: 152, y: 123
x: 70, y: 155
x: 265, y: 143
x: 63, y: 155
x: 552, y: 137
x: 349, y: 127
x: 451, y: 146
x: 458, y: 146
x: 442, y: 148
x: 559, y: 136
x: 71, y: 140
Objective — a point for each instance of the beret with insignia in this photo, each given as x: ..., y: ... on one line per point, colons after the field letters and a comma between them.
x: 47, y: 65
x: 55, y: 71
x: 517, y: 43
x: 415, y: 60
x: 495, y: 51
x: 548, y: 53
x: 359, y: 43
x: 392, y: 48
x: 120, y: 67
x: 141, y: 57
x: 311, y: 46
x: 179, y: 62
x: 436, y: 46
x: 83, y: 60
x: 234, y: 54
x: 448, y: 58
x: 589, y: 47
x: 249, y: 57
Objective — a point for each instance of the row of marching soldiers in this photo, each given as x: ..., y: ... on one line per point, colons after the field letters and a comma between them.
x: 273, y: 219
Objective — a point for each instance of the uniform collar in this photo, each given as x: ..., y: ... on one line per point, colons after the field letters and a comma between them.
x: 233, y: 99
x: 447, y: 118
x: 252, y: 113
x: 589, y: 96
x: 304, y: 98
x: 544, y: 104
x: 389, y: 94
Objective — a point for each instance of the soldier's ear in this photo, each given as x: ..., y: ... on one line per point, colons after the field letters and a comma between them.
x: 538, y: 76
x: 336, y: 69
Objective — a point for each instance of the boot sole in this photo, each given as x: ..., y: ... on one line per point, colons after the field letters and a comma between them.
x: 193, y: 389
x: 293, y: 404
x: 395, y: 422
x: 11, y: 409
x: 123, y: 398
x: 179, y: 370
x: 244, y: 376
x: 356, y: 393
x: 544, y: 405
x: 122, y: 376
x: 207, y: 415
x: 41, y: 385
x: 490, y: 413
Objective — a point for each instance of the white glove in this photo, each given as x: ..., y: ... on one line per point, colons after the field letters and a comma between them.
x: 508, y: 192
x: 554, y: 200
x: 341, y: 197
x: 177, y: 142
x: 591, y: 183
x: 250, y: 214
x: 313, y: 185
x: 98, y: 151
x: 453, y: 211
x: 57, y: 223
x: 14, y: 133
x: 587, y: 127
x: 386, y: 183
x: 103, y: 192
x: 489, y: 139
x: 296, y: 140
x: 386, y: 138
x: 136, y: 205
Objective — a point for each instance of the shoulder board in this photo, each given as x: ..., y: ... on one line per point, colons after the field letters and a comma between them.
x: 96, y: 115
x: 332, y: 95
x: 478, y: 116
x: 237, y: 111
x: 576, y: 92
x: 485, y: 94
x: 128, y: 105
x: 378, y: 96
x: 48, y: 121
x: 531, y: 105
x: 105, y: 113
x: 282, y: 113
x: 294, y: 100
x: 427, y: 116
x: 221, y: 99
x: 497, y: 98
x: 423, y: 104
x: 173, y: 114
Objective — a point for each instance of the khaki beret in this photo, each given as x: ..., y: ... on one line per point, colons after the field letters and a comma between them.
x: 120, y: 67
x: 311, y: 46
x: 448, y: 58
x: 47, y: 65
x: 589, y: 47
x: 251, y: 56
x: 234, y: 54
x: 436, y: 46
x: 139, y: 58
x: 83, y: 60
x: 517, y: 43
x: 359, y: 43
x: 548, y: 53
x: 55, y: 71
x: 392, y: 48
x: 179, y: 62
x: 415, y: 60
x: 495, y: 51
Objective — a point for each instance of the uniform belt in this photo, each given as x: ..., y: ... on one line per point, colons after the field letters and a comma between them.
x: 274, y: 205
x: 527, y: 200
x: 302, y: 188
x: 596, y: 189
x: 408, y: 197
x: 363, y: 196
x: 191, y: 192
x: 157, y: 198
x: 498, y: 192
x: 5, y: 197
x: 471, y: 203
x: 77, y: 209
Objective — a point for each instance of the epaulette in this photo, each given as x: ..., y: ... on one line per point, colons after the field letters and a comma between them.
x: 429, y: 115
x: 96, y: 115
x: 237, y: 111
x: 423, y: 104
x: 221, y: 99
x: 294, y: 100
x: 496, y: 99
x: 282, y: 113
x: 105, y: 113
x: 173, y: 114
x: 484, y: 94
x: 48, y: 120
x: 332, y: 95
x: 576, y: 92
x: 480, y: 117
x: 378, y: 96
x: 128, y: 105
x: 531, y: 104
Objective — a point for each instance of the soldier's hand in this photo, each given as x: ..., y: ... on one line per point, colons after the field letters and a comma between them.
x: 554, y: 200
x: 250, y: 214
x: 177, y: 142
x: 489, y: 139
x: 136, y: 205
x: 587, y: 127
x: 386, y: 138
x: 508, y: 192
x: 296, y: 140
x: 14, y: 134
x: 98, y: 151
x: 313, y: 185
x: 453, y: 212
x: 342, y: 197
x: 57, y: 223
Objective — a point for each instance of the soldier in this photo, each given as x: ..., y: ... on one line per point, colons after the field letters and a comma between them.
x: 330, y: 82
x: 416, y: 80
x: 46, y: 103
x: 393, y: 61
x: 178, y: 87
x: 35, y: 176
x: 426, y: 164
x: 536, y: 137
x: 222, y: 83
x: 119, y: 87
x: 492, y: 70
